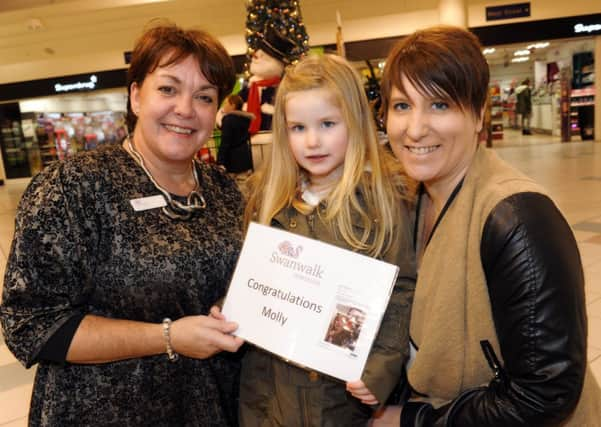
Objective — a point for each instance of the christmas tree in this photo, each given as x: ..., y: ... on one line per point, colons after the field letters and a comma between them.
x: 284, y: 16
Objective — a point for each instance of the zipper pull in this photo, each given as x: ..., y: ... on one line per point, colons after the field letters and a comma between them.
x: 492, y: 359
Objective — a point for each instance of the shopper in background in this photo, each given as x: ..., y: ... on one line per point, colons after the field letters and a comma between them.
x: 498, y: 324
x: 119, y: 254
x: 234, y: 152
x: 523, y: 106
x: 329, y: 179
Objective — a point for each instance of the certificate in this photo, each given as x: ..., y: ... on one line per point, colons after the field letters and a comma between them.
x: 314, y: 304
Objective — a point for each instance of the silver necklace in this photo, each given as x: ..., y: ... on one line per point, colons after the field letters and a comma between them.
x: 174, y: 209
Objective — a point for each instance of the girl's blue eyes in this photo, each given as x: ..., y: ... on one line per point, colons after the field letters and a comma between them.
x: 401, y: 106
x: 325, y: 124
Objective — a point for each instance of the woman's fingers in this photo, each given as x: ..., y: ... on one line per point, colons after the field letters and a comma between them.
x: 201, y: 337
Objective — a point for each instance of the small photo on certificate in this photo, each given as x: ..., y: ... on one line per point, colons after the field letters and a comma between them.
x: 345, y: 326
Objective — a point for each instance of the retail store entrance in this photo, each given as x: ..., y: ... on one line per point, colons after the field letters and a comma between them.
x: 56, y: 118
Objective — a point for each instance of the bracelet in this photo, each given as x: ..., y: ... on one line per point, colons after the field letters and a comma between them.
x: 172, y: 355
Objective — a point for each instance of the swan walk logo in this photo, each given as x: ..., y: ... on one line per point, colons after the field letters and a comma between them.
x: 287, y: 256
x: 288, y: 249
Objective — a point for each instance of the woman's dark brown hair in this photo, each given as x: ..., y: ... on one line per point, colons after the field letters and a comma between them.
x: 167, y: 44
x: 443, y: 61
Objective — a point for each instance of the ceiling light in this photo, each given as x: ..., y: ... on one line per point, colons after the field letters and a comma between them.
x: 35, y: 24
x: 541, y: 45
x: 524, y: 52
x: 521, y: 59
x: 489, y: 50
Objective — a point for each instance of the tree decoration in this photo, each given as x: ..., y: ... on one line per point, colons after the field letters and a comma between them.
x: 284, y: 16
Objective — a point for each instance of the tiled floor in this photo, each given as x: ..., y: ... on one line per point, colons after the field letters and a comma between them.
x: 571, y: 172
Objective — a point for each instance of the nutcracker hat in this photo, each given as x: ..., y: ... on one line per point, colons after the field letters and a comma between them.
x: 276, y: 45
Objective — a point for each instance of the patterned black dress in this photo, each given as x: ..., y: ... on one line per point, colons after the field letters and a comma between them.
x: 80, y: 248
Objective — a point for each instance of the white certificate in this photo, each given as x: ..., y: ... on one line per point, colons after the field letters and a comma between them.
x: 309, y: 302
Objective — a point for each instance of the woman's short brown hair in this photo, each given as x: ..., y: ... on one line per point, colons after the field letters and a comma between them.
x: 165, y: 44
x: 441, y: 61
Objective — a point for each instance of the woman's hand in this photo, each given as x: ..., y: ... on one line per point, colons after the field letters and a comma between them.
x: 359, y: 390
x: 388, y: 416
x: 201, y: 337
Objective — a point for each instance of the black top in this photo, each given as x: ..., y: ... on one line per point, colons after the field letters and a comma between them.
x: 80, y: 248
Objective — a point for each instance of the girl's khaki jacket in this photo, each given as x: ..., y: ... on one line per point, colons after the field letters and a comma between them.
x: 276, y: 393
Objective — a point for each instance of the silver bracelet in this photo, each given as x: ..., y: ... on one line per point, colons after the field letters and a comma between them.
x: 172, y: 355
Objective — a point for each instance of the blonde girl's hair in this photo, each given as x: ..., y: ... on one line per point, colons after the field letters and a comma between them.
x: 367, y: 191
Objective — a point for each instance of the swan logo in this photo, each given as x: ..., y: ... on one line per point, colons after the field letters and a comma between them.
x: 288, y: 249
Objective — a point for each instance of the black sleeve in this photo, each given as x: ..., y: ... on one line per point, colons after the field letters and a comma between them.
x: 536, y: 286
x: 57, y: 346
x: 49, y: 268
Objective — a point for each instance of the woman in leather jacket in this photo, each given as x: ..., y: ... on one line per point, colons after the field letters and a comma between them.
x: 498, y: 325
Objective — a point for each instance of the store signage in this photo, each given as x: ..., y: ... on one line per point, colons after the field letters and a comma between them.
x: 534, y: 30
x: 508, y: 11
x: 89, y: 85
x: 582, y: 28
x: 64, y: 84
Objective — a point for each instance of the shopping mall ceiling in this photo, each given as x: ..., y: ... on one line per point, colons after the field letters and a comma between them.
x: 42, y: 38
x: 31, y: 30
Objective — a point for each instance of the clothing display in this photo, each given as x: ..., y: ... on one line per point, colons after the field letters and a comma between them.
x: 275, y: 393
x: 498, y: 322
x: 80, y: 248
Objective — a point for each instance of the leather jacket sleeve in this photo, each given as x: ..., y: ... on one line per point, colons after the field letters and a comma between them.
x: 536, y: 287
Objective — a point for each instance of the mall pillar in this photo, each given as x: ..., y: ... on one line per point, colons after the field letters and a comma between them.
x: 2, y: 172
x: 453, y: 12
x: 597, y: 89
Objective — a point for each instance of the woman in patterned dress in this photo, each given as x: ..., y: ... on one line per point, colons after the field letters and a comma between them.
x: 120, y: 253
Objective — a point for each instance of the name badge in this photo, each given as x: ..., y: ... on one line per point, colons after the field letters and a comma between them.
x: 150, y: 202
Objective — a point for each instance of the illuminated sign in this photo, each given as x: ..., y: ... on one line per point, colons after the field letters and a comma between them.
x: 90, y: 85
x: 581, y: 28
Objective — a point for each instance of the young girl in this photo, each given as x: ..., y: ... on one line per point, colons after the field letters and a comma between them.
x: 329, y: 179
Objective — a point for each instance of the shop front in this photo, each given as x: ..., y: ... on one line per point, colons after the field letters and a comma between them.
x: 556, y: 57
x: 47, y: 120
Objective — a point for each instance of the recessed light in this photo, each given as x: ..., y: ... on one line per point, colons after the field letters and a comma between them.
x: 35, y: 24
